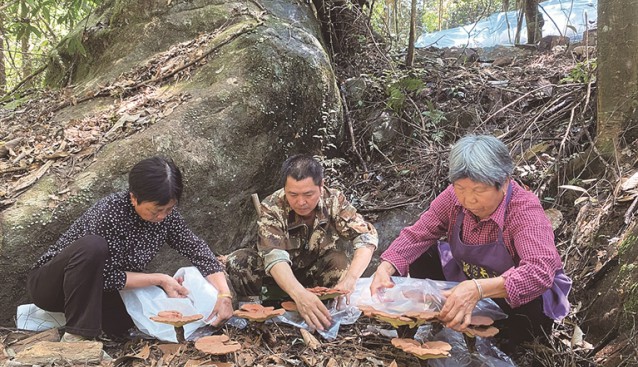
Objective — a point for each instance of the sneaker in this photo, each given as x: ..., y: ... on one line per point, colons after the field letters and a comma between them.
x: 71, y: 338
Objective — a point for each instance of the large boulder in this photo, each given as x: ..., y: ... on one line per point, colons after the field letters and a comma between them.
x: 261, y: 96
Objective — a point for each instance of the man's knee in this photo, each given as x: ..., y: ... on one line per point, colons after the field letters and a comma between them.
x: 335, y: 265
x: 246, y: 270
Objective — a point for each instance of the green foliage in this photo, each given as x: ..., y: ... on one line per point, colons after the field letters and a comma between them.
x: 398, y: 90
x: 392, y: 18
x: 584, y: 72
x: 39, y: 24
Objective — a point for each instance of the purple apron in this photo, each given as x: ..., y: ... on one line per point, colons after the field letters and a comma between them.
x: 460, y: 261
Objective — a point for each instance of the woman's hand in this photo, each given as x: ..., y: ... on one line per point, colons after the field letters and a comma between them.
x: 382, y: 278
x: 461, y: 300
x: 222, y: 311
x: 173, y: 287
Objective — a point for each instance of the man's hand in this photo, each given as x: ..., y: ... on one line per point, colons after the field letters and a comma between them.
x: 346, y: 284
x: 313, y: 311
x: 173, y: 287
x: 382, y: 278
x: 459, y: 304
x: 222, y: 311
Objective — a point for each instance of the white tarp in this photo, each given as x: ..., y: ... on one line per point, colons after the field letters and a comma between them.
x: 562, y: 17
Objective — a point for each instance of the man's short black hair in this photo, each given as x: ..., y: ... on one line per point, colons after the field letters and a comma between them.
x: 301, y: 166
x: 156, y: 180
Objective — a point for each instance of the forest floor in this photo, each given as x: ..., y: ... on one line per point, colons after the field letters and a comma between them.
x: 542, y: 104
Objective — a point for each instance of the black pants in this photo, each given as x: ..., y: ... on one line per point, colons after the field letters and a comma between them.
x: 72, y: 282
x: 523, y: 324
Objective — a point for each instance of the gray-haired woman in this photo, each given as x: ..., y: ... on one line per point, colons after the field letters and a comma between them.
x: 499, y: 244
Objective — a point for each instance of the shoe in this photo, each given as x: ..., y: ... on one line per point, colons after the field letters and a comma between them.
x: 72, y: 338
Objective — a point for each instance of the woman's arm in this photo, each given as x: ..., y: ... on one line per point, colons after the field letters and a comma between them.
x: 170, y: 285
x: 223, y: 309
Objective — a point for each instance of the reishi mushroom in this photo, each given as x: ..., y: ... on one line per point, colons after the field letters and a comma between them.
x: 327, y: 293
x: 427, y: 350
x: 217, y: 345
x: 258, y: 313
x: 177, y: 320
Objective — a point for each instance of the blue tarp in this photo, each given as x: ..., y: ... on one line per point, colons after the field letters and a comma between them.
x: 562, y: 17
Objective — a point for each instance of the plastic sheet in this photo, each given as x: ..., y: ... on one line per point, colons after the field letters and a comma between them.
x: 142, y: 303
x: 410, y: 294
x: 485, y: 355
x: 31, y: 317
x: 346, y: 316
x: 562, y: 17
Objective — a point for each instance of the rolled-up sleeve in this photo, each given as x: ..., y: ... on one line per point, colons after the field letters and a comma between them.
x: 414, y: 240
x: 272, y: 237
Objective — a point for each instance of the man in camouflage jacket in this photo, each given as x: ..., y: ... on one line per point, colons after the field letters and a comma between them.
x: 298, y: 229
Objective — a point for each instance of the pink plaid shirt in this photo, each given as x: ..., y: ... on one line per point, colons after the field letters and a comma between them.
x: 527, y: 234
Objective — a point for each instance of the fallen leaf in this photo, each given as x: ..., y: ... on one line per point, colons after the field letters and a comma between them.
x: 309, y: 339
x: 170, y: 348
x: 630, y: 182
x: 555, y: 217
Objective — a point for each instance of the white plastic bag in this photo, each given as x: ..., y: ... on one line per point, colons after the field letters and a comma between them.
x: 142, y: 303
x: 33, y: 318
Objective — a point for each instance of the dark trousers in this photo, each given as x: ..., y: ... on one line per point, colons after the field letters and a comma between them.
x: 72, y: 282
x: 523, y: 324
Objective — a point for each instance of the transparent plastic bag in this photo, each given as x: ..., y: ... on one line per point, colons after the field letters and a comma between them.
x: 142, y: 303
x: 411, y: 294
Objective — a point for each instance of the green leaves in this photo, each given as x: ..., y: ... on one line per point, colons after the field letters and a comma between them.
x: 399, y: 89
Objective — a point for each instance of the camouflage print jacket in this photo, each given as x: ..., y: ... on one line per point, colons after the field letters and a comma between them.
x: 284, y: 237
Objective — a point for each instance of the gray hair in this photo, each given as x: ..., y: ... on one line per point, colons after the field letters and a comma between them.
x: 481, y: 158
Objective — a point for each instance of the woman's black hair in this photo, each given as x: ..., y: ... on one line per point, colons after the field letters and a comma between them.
x: 155, y: 180
x: 301, y: 166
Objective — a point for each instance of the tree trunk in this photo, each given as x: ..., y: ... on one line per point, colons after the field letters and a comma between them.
x: 534, y: 20
x: 3, y: 70
x: 24, y: 41
x: 617, y: 75
x: 440, y: 15
x: 409, y: 58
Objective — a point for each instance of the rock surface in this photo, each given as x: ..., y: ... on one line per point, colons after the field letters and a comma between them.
x: 256, y: 100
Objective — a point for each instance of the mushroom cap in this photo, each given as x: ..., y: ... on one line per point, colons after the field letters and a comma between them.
x: 427, y: 350
x: 411, y: 319
x: 327, y: 293
x: 175, y: 318
x: 217, y: 345
x: 258, y: 313
x: 289, y: 306
x: 478, y: 320
x: 482, y: 331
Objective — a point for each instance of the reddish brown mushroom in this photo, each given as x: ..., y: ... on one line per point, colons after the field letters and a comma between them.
x: 327, y: 293
x: 410, y: 319
x: 427, y: 350
x: 258, y: 313
x: 177, y: 320
x: 217, y: 345
x: 481, y: 326
x: 289, y: 306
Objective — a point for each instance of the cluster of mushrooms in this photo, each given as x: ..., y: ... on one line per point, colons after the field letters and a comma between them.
x: 256, y: 313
